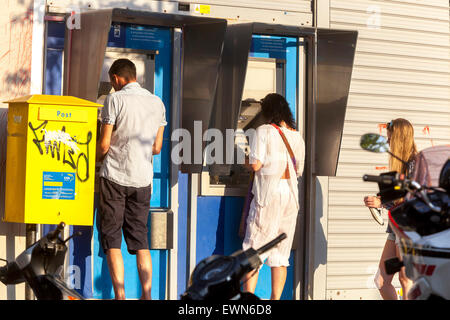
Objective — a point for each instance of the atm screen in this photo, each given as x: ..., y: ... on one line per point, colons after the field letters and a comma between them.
x: 145, y: 68
x: 250, y: 115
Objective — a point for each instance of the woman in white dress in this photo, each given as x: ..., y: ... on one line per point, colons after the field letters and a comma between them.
x: 275, y: 205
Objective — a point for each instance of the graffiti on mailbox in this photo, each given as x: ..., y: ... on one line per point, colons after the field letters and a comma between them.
x: 64, y: 147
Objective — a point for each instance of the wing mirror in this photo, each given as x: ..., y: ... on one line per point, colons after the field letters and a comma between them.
x: 374, y: 143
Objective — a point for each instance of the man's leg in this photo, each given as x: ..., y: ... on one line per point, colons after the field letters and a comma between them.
x: 111, y: 211
x: 116, y: 270
x: 144, y: 265
x: 135, y: 232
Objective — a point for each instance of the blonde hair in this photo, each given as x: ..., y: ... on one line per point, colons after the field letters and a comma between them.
x: 401, y: 144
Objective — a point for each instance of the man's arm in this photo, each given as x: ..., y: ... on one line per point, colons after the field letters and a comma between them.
x: 105, y: 141
x: 157, y: 145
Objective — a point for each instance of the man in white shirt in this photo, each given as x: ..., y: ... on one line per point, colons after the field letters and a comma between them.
x: 133, y: 121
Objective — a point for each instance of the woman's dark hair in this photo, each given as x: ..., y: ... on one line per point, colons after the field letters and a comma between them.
x: 275, y: 109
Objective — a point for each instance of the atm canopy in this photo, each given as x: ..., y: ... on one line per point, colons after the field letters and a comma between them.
x: 214, y: 67
x: 329, y: 66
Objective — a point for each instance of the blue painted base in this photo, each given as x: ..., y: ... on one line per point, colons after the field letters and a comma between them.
x: 102, y: 285
x: 218, y: 221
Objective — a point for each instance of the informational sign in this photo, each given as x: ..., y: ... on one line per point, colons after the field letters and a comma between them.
x: 58, y: 185
x: 133, y: 36
x: 272, y: 47
x: 143, y: 37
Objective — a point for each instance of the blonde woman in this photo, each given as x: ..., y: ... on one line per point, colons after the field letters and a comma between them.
x: 400, y: 134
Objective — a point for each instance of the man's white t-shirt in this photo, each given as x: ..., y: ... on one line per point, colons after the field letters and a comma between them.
x: 136, y: 114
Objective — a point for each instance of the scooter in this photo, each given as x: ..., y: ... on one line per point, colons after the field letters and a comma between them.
x: 218, y: 277
x: 38, y: 265
x: 422, y: 227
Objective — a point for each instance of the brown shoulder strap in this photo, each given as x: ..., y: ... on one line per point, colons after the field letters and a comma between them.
x: 291, y: 153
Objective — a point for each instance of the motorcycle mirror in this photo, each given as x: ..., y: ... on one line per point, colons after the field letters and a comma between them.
x: 374, y: 143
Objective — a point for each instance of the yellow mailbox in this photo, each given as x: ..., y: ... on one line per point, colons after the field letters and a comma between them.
x: 50, y: 160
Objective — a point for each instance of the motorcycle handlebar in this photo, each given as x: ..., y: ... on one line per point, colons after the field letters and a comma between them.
x: 404, y: 184
x: 272, y: 243
x: 400, y: 180
x: 379, y: 179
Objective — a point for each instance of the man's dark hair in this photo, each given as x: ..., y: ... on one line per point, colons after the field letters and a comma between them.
x: 123, y: 68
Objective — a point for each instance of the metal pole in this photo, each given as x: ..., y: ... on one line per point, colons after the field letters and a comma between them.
x: 192, y: 224
x: 30, y: 238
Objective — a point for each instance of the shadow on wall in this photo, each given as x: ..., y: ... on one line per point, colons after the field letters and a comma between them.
x: 319, y: 245
x: 103, y: 283
x: 17, y: 79
x: 320, y: 239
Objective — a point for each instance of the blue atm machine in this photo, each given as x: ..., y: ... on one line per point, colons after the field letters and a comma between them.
x: 150, y: 48
x: 218, y: 217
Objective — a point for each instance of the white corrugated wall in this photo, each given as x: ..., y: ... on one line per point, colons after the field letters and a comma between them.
x: 286, y: 5
x: 290, y: 12
x: 402, y: 69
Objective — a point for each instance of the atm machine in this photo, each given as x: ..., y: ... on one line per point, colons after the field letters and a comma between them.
x: 262, y: 64
x: 312, y: 69
x: 271, y: 67
x: 150, y: 49
x: 145, y: 69
x: 147, y: 39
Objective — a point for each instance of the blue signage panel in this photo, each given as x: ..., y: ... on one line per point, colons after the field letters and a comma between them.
x: 58, y: 185
x: 283, y: 48
x: 269, y: 47
x: 144, y: 37
x: 117, y: 36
